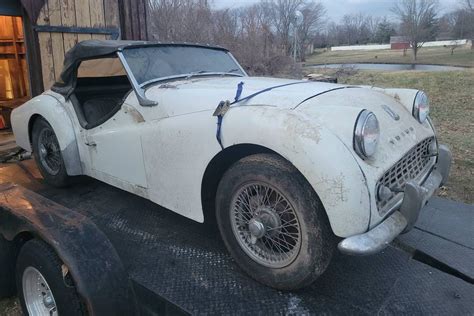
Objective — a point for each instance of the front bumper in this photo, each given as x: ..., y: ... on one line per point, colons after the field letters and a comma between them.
x: 414, y: 198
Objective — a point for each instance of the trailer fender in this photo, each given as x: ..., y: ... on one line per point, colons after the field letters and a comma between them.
x: 91, y: 259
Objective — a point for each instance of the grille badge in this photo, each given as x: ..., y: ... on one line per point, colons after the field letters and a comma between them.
x: 390, y: 112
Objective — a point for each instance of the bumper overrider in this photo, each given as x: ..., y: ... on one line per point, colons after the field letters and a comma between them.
x: 414, y: 198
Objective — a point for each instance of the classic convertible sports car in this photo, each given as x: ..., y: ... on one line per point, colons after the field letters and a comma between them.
x: 287, y: 168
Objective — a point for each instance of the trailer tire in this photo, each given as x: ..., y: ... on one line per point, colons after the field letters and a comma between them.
x: 273, y: 223
x: 45, y: 148
x: 38, y: 257
x: 7, y: 268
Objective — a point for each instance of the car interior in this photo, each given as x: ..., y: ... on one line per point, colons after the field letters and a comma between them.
x: 100, y: 91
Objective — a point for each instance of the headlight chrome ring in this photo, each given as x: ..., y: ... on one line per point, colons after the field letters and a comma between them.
x: 366, y: 134
x: 421, y: 107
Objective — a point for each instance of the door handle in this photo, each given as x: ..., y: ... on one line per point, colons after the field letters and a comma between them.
x: 92, y: 144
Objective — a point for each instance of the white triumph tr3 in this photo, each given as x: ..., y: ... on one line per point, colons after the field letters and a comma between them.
x: 289, y: 169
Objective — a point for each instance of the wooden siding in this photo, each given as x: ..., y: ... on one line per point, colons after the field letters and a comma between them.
x: 134, y: 19
x: 70, y: 13
x: 32, y: 8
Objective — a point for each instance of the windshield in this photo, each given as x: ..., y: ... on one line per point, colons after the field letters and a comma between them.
x: 152, y: 63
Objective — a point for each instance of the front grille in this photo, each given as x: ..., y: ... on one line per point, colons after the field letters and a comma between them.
x: 413, y: 165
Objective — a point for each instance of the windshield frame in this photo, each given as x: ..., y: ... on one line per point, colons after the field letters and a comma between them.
x: 141, y: 88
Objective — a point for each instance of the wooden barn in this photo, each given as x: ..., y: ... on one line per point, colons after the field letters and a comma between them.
x: 399, y: 42
x: 35, y: 34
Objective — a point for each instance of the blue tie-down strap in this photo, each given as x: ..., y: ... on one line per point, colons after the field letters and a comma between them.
x: 222, y: 109
x: 218, y: 132
x: 219, y: 112
x: 224, y: 106
x: 240, y: 87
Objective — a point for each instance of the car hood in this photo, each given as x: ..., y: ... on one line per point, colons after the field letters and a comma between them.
x: 205, y: 93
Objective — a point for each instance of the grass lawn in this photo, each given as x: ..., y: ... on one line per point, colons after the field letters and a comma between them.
x: 452, y: 110
x: 463, y: 56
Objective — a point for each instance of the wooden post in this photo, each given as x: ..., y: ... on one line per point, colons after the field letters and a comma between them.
x: 33, y: 56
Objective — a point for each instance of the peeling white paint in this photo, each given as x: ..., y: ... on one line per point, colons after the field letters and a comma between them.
x: 161, y: 152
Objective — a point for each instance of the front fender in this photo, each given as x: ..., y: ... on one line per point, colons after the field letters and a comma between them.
x: 322, y: 158
x: 405, y: 96
x: 53, y: 112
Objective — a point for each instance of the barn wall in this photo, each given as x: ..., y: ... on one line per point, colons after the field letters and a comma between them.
x: 400, y: 45
x: 134, y: 19
x: 71, y: 13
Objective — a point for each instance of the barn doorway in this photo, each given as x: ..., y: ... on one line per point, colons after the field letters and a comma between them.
x: 14, y: 85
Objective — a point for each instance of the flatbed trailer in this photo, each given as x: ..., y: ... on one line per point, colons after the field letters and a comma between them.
x: 178, y: 266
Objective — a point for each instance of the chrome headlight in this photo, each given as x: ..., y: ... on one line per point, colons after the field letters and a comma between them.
x: 366, y: 134
x: 421, y: 107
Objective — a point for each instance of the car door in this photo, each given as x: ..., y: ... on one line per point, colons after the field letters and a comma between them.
x: 110, y: 133
x: 115, y: 149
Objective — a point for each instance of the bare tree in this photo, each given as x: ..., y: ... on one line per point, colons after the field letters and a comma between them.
x: 258, y: 35
x: 417, y: 21
x: 282, y: 13
x: 466, y: 20
x: 356, y: 30
x: 469, y: 5
x: 313, y: 13
x: 180, y: 20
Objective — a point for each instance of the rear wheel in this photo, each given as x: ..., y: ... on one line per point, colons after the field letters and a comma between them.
x: 47, y: 154
x: 44, y: 287
x: 273, y: 223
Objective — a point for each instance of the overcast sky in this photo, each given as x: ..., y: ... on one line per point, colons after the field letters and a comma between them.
x: 338, y: 8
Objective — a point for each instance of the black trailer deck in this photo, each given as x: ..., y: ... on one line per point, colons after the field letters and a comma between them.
x: 175, y: 260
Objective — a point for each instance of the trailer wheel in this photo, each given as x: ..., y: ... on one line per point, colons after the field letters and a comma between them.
x: 48, y: 155
x: 41, y: 286
x: 7, y: 268
x: 273, y: 223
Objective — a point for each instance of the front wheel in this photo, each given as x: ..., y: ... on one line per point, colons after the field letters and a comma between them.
x: 273, y: 223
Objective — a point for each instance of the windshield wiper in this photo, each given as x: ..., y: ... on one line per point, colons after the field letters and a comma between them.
x: 232, y: 70
x: 205, y: 72
x: 195, y: 73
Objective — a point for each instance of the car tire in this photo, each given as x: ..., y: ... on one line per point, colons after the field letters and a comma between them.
x: 48, y: 155
x: 38, y: 261
x: 282, y: 240
x: 7, y: 268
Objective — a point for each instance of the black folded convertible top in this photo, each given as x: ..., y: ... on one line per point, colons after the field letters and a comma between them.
x: 91, y: 49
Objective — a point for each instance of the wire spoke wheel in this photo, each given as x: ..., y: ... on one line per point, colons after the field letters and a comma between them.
x: 265, y: 225
x: 39, y: 299
x: 49, y: 151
